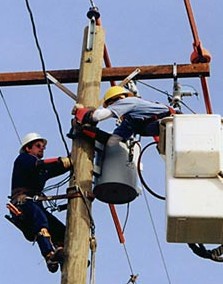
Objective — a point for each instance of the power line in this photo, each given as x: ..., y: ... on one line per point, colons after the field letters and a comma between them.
x: 10, y: 116
x: 156, y: 236
x: 165, y: 93
x: 45, y: 75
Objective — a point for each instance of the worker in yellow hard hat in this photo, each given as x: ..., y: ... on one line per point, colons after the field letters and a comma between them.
x: 136, y: 116
x: 30, y: 173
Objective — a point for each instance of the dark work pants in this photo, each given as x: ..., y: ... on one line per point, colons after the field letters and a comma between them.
x: 34, y: 218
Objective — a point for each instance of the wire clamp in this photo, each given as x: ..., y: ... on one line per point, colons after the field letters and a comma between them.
x: 133, y: 278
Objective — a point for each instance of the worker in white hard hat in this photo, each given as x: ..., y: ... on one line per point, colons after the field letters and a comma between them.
x: 30, y: 173
x: 136, y: 116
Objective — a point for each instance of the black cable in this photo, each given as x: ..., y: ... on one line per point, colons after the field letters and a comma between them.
x: 140, y: 174
x: 59, y: 184
x: 214, y: 254
x: 45, y: 75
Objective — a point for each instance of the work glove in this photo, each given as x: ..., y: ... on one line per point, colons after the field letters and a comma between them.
x: 83, y: 115
x: 66, y: 161
x: 94, y: 133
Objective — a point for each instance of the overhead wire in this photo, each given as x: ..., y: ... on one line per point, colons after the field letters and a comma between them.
x: 45, y: 75
x: 157, y: 238
x: 165, y: 93
x: 11, y: 118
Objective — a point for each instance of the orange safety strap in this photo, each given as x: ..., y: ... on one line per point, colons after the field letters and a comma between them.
x: 12, y: 208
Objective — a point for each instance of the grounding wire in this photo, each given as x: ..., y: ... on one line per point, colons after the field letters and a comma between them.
x: 128, y: 259
x: 10, y: 116
x: 167, y: 94
x: 126, y: 218
x: 45, y: 75
x: 156, y: 236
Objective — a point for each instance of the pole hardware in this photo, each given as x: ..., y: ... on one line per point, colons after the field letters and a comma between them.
x: 93, y: 15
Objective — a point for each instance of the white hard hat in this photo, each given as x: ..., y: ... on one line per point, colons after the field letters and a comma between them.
x: 29, y: 138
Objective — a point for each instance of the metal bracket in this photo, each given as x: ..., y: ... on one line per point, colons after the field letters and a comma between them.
x: 93, y: 14
x: 62, y: 87
x: 129, y: 77
x: 91, y: 34
x: 176, y: 88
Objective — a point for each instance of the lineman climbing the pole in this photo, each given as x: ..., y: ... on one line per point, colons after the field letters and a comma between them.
x: 136, y: 116
x: 29, y: 176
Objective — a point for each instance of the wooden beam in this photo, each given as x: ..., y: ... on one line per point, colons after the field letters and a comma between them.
x: 108, y: 74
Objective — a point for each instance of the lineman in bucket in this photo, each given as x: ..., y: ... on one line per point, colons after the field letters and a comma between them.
x: 136, y: 116
x: 30, y: 173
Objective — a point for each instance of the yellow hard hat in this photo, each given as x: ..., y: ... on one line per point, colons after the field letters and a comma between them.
x: 30, y: 137
x: 113, y: 92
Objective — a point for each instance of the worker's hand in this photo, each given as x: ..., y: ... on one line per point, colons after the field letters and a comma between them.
x: 21, y: 199
x: 84, y: 116
x: 77, y: 106
x: 66, y: 161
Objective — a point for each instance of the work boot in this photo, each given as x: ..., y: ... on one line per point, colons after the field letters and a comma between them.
x: 51, y: 263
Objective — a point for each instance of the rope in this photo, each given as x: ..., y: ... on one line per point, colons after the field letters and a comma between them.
x: 45, y: 75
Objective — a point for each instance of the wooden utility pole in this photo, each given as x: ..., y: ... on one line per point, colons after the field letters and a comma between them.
x: 78, y: 219
x: 89, y: 77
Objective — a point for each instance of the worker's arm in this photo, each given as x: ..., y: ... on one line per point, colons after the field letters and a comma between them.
x: 101, y: 114
x: 54, y: 166
x: 91, y: 116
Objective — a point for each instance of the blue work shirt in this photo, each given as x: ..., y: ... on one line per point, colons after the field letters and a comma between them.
x: 135, y: 114
x: 28, y: 174
x: 136, y: 108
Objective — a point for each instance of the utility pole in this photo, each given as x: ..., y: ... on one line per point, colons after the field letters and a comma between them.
x: 89, y: 77
x: 78, y: 219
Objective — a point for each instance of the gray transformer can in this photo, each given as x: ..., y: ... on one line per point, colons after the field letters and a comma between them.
x: 116, y: 179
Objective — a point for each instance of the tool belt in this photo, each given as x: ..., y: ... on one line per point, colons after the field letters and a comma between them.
x: 19, y: 196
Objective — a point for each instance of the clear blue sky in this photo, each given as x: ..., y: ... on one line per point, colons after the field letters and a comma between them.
x: 155, y: 32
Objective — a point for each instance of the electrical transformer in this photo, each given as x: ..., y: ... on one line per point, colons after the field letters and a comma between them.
x: 116, y: 173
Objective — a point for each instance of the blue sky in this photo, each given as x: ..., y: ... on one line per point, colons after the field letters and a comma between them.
x: 155, y: 32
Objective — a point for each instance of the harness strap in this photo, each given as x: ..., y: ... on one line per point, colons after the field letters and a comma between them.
x: 13, y: 209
